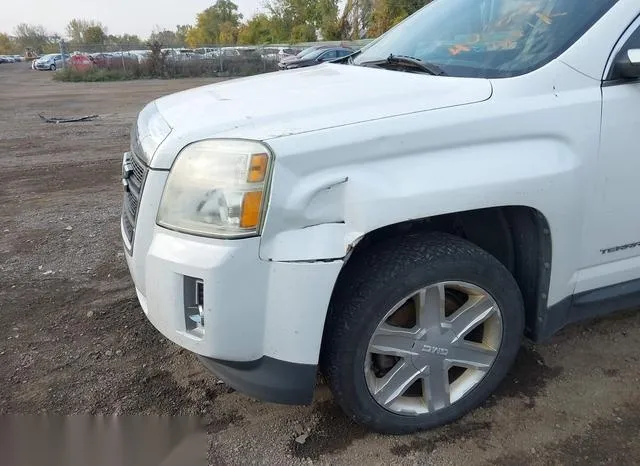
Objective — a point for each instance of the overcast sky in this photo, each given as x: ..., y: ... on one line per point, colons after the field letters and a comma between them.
x: 119, y: 16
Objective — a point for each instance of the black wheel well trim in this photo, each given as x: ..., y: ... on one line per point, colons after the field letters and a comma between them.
x: 518, y: 236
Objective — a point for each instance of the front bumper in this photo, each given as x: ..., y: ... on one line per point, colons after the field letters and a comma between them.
x: 267, y: 379
x: 263, y: 320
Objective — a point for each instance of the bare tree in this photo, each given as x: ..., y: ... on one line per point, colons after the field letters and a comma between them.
x: 34, y: 37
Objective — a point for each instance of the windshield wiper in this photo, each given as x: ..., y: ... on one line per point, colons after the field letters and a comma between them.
x: 392, y: 59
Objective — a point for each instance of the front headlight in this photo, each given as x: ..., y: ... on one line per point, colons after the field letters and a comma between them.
x: 217, y: 188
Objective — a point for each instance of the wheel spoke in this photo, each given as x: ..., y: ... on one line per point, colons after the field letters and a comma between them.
x: 429, y: 304
x: 435, y: 386
x: 393, y: 341
x: 472, y: 355
x: 475, y: 311
x: 395, y: 382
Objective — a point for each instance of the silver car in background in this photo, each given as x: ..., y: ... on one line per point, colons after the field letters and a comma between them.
x: 50, y: 62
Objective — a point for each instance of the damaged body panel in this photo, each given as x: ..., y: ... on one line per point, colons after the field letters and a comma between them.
x: 422, y: 165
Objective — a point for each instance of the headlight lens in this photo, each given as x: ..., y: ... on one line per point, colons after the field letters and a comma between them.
x: 216, y: 188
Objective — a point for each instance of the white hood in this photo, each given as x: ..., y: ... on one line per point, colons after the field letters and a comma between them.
x: 291, y: 102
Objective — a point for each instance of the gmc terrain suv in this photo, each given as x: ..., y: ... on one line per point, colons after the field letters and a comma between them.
x: 397, y: 219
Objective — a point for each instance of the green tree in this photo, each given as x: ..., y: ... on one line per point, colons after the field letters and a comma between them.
x: 327, y: 19
x: 7, y: 45
x: 300, y: 20
x: 125, y: 40
x: 166, y: 38
x: 216, y: 25
x: 181, y: 33
x: 228, y: 34
x: 355, y: 20
x: 94, y: 35
x: 258, y: 30
x: 83, y: 31
x: 290, y: 14
x: 303, y: 33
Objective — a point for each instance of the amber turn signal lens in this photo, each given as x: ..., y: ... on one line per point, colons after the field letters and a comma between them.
x: 251, y: 204
x: 257, y: 168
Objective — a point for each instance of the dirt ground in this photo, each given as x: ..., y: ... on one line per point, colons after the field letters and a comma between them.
x: 73, y: 338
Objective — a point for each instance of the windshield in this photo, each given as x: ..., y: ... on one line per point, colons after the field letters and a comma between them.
x: 312, y: 55
x: 306, y: 51
x: 488, y: 38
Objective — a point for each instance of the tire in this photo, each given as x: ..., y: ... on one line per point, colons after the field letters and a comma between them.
x: 376, y: 280
x: 52, y: 67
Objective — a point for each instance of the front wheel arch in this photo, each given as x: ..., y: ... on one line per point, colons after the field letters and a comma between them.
x: 518, y: 236
x: 363, y: 297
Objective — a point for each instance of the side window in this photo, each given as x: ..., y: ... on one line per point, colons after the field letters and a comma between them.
x: 328, y: 55
x: 343, y: 53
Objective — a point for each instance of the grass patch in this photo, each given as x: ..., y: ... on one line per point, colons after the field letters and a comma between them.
x: 158, y: 65
x: 95, y: 75
x: 194, y: 69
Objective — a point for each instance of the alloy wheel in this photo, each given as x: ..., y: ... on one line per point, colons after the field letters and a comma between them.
x: 433, y: 347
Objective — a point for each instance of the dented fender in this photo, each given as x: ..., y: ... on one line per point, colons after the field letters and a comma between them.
x: 331, y: 187
x: 325, y: 215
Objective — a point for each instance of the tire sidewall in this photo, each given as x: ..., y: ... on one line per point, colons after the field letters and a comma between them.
x: 494, y: 279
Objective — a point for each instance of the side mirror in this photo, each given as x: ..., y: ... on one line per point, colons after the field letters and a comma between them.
x: 628, y: 64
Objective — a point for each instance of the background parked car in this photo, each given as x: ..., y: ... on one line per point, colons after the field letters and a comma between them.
x: 278, y: 54
x: 293, y: 57
x: 181, y: 55
x: 140, y: 55
x: 50, y: 62
x: 80, y: 62
x: 318, y: 56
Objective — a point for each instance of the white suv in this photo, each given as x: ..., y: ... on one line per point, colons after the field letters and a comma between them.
x: 400, y: 219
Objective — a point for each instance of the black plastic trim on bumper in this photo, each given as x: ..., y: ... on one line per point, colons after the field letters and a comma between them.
x: 267, y: 379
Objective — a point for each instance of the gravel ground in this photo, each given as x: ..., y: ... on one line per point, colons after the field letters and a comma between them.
x: 74, y: 340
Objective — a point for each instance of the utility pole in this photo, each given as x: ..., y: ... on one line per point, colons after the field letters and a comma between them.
x: 63, y: 50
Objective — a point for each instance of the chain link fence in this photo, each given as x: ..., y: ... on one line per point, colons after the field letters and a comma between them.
x: 127, y: 62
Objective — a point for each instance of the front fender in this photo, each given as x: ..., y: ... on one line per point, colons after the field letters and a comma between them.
x: 324, y: 213
x: 321, y: 216
x: 531, y: 145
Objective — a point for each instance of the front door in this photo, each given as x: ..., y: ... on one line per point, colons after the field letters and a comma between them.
x: 611, y: 250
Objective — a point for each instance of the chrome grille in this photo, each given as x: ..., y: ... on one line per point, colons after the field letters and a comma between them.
x: 133, y: 176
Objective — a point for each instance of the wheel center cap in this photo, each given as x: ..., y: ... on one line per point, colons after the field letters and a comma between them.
x: 435, y: 342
